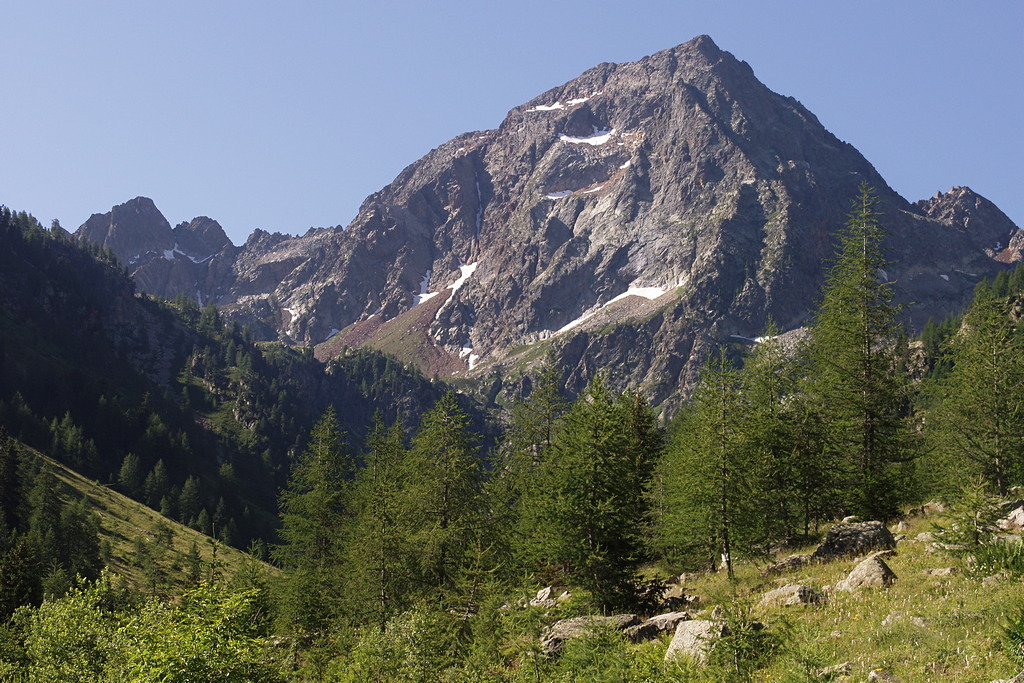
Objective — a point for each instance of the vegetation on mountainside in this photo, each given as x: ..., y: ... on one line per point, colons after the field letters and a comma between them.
x: 163, y: 400
x: 411, y: 555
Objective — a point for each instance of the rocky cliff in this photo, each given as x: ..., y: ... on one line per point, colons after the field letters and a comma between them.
x: 628, y: 220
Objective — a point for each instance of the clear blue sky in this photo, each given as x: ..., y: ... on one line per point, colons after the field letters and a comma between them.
x: 285, y: 115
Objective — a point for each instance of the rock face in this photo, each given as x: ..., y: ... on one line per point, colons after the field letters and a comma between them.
x: 853, y: 539
x: 195, y: 258
x: 633, y: 217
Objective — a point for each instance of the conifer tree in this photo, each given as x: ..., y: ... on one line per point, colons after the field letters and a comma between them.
x: 443, y: 474
x: 587, y: 503
x: 855, y: 373
x: 709, y: 477
x: 314, y: 515
x: 978, y: 422
x: 10, y: 484
x: 379, y: 553
x: 536, y: 420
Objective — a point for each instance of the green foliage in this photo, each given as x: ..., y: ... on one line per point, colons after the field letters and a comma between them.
x: 706, y: 477
x: 856, y: 373
x: 971, y: 521
x: 747, y: 645
x: 585, y: 512
x: 441, y: 501
x: 379, y: 554
x: 212, y: 635
x: 1013, y: 635
x: 977, y: 424
x: 314, y: 514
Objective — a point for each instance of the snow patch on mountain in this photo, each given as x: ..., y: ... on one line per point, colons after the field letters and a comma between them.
x: 424, y: 295
x: 649, y: 293
x: 599, y: 137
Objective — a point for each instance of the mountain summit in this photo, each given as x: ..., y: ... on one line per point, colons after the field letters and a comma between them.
x: 630, y: 220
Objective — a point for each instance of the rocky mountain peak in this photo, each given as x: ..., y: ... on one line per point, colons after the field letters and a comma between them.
x: 631, y: 219
x: 988, y: 228
x: 201, y: 238
x: 130, y: 230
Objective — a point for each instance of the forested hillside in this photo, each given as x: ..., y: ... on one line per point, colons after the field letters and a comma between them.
x: 162, y: 400
x: 413, y: 534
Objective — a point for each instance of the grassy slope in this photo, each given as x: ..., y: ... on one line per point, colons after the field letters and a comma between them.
x: 123, y: 520
x: 922, y: 628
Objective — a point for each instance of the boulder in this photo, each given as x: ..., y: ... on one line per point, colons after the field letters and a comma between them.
x: 695, y: 640
x: 655, y: 626
x: 1014, y: 521
x: 793, y: 594
x: 870, y: 573
x: 844, y: 540
x: 787, y: 564
x: 555, y: 638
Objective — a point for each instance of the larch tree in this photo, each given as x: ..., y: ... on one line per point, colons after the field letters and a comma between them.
x: 588, y: 505
x: 708, y: 475
x: 978, y: 421
x: 855, y: 368
x: 441, y: 501
x: 379, y: 552
x: 314, y: 513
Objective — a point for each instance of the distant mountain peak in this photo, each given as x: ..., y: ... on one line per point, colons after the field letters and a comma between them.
x: 629, y: 220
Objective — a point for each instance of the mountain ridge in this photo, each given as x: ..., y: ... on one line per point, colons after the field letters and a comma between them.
x: 678, y: 173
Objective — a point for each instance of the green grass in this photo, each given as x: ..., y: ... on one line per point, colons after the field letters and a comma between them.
x: 123, y: 522
x: 922, y: 628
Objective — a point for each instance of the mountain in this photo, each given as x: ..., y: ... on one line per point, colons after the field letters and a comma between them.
x: 146, y: 395
x: 629, y: 220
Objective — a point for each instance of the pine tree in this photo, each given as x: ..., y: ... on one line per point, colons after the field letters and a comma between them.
x: 314, y: 516
x: 978, y: 423
x: 862, y: 391
x: 379, y: 553
x: 586, y: 510
x: 443, y: 474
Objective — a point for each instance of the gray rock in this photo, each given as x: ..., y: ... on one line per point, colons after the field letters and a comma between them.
x: 880, y: 676
x: 787, y: 564
x: 844, y: 540
x: 1014, y: 521
x: 944, y: 571
x: 695, y: 640
x: 870, y: 573
x: 655, y: 626
x: 555, y: 638
x: 793, y: 594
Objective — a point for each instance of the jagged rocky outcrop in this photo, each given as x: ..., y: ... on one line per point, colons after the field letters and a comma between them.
x: 194, y: 258
x: 631, y: 219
